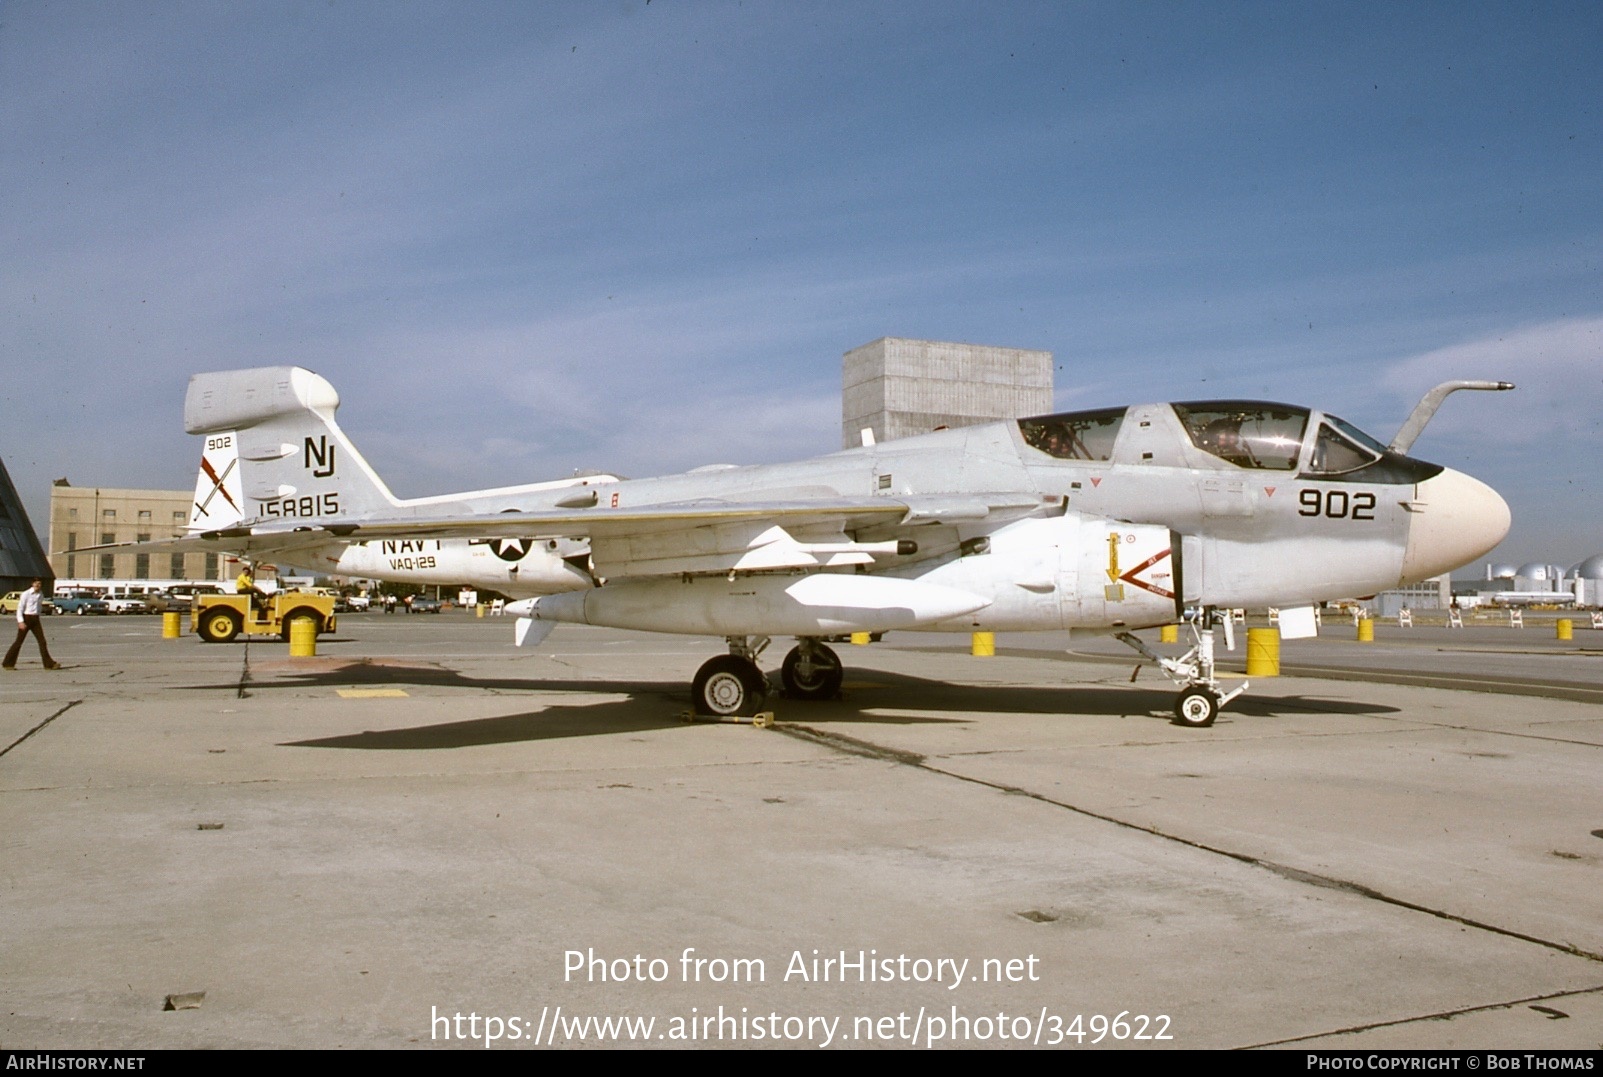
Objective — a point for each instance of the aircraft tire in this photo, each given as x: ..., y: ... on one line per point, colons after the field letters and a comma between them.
x: 219, y: 626
x: 821, y: 682
x: 1196, y: 707
x: 729, y: 686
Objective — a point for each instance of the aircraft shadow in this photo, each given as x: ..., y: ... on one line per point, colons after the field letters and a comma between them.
x: 551, y: 723
x: 362, y: 673
x: 1067, y: 701
x: 658, y: 705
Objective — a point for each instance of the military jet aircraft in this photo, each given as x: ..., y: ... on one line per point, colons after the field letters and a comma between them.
x: 1108, y: 520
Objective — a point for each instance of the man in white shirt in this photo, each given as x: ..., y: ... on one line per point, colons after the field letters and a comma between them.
x: 28, y: 610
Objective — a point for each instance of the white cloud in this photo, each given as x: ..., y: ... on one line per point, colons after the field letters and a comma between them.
x: 1538, y: 446
x: 644, y: 437
x: 1556, y: 366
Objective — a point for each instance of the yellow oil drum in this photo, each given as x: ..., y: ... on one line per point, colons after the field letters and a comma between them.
x: 861, y: 638
x: 1169, y: 634
x: 1566, y: 628
x: 983, y: 645
x: 1366, y: 630
x: 303, y: 637
x: 1263, y: 652
x: 171, y: 624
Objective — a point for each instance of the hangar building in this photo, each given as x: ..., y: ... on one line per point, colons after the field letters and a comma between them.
x: 21, y: 559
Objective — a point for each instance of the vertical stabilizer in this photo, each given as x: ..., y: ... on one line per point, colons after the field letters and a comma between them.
x: 273, y: 450
x: 219, y: 499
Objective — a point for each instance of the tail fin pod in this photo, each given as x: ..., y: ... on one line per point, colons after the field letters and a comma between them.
x: 273, y: 449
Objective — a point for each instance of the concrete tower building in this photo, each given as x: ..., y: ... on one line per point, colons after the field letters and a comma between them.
x: 898, y: 388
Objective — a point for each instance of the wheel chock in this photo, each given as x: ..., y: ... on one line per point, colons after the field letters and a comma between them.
x: 761, y: 720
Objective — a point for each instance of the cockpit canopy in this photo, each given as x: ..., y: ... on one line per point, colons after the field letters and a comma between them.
x: 1079, y: 435
x: 1246, y: 433
x: 1341, y: 448
x: 1250, y: 434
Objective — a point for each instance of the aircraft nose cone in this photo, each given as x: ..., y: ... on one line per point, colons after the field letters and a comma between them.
x: 1456, y: 520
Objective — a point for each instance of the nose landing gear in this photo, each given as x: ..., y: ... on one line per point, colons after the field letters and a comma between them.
x: 1196, y: 707
x: 1200, y: 697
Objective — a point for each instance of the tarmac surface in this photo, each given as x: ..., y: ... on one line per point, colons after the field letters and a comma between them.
x: 423, y: 822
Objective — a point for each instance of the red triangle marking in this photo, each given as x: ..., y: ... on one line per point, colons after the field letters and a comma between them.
x: 1270, y: 490
x: 1095, y: 483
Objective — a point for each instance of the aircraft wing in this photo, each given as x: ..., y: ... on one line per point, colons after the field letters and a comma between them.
x: 694, y: 536
x: 238, y: 541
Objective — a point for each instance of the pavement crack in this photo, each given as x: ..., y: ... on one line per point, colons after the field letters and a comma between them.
x: 1443, y: 1015
x: 244, y: 675
x: 1575, y: 691
x: 852, y: 746
x: 1461, y: 728
x: 40, y: 726
x: 867, y: 749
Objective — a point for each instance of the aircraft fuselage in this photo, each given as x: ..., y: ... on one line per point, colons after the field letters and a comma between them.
x: 1111, y: 519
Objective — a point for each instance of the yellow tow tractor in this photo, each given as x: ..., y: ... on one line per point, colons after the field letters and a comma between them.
x: 221, y: 618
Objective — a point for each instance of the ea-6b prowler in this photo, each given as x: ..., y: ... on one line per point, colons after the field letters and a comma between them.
x: 1108, y: 520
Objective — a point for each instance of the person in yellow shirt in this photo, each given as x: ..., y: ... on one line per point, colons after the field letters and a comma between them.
x: 245, y: 584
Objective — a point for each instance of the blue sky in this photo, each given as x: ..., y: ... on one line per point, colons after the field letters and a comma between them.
x: 524, y: 238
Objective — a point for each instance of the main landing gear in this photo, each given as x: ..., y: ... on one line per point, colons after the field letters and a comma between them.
x: 1200, y: 696
x: 733, y: 685
x: 811, y: 671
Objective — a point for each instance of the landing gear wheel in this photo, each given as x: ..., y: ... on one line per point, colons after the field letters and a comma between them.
x: 728, y: 686
x: 219, y: 626
x: 1196, y: 707
x: 818, y: 679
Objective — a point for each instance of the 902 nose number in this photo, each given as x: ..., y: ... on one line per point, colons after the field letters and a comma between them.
x: 1336, y: 504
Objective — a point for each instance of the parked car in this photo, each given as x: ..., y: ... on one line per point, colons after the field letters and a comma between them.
x: 80, y: 603
x: 423, y: 604
x: 359, y: 603
x: 181, y: 596
x: 127, y: 604
x: 8, y: 604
